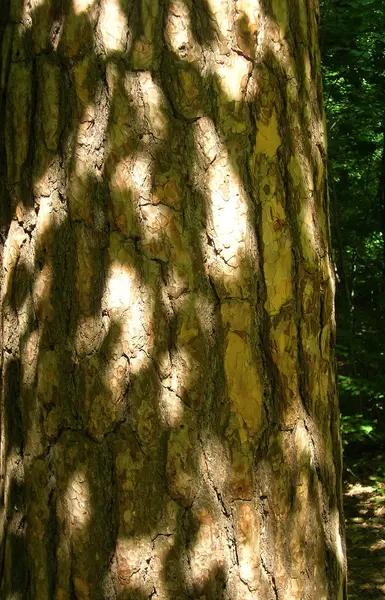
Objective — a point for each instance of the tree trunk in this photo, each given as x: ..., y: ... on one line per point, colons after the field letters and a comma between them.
x: 381, y: 197
x: 169, y: 419
x: 340, y: 261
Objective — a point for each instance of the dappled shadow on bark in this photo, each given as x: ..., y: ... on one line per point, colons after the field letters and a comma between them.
x: 128, y: 444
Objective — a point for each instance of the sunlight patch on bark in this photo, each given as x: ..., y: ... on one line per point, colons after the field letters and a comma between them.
x: 24, y: 17
x: 178, y: 30
x: 141, y: 173
x: 131, y: 305
x: 159, y: 230
x: 208, y: 551
x: 30, y: 356
x: 82, y: 5
x: 228, y: 210
x: 338, y: 543
x: 171, y: 408
x: 120, y: 286
x: 221, y: 10
x: 42, y: 291
x: 128, y: 301
x: 113, y: 26
x: 133, y: 557
x: 252, y: 11
x: 76, y: 503
x: 233, y: 75
x: 229, y: 240
x: 248, y: 538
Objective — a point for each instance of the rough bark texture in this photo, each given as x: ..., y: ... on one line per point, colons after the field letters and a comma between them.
x: 169, y: 421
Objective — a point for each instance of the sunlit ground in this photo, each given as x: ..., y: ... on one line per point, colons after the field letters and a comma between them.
x: 365, y: 530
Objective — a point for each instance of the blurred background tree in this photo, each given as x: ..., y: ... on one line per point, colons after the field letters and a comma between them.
x: 353, y: 47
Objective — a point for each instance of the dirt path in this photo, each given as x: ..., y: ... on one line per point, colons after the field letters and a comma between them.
x: 365, y: 533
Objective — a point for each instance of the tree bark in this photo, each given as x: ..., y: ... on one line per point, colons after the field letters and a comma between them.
x: 381, y: 197
x: 341, y: 264
x: 169, y: 419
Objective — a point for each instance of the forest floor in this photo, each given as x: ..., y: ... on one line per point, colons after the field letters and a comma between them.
x: 365, y: 526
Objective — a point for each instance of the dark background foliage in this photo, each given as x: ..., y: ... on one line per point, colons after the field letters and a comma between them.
x: 353, y: 49
x: 353, y: 45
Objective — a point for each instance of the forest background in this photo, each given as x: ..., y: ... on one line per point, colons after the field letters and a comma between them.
x: 353, y: 49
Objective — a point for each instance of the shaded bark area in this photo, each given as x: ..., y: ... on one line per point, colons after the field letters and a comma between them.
x: 169, y: 420
x: 381, y: 197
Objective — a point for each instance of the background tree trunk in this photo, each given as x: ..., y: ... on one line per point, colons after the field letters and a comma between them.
x: 381, y: 197
x: 169, y: 420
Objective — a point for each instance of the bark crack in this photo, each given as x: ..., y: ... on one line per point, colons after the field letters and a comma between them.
x: 271, y: 578
x: 227, y: 514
